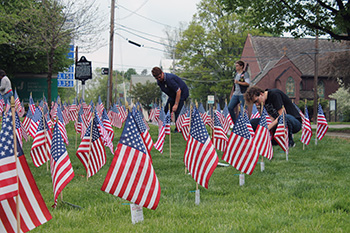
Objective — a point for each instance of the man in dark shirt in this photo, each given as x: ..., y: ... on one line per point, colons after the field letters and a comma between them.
x: 174, y: 87
x: 274, y: 100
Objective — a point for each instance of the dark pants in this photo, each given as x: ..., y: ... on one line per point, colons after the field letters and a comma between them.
x: 172, y: 102
x: 294, y: 126
x: 235, y: 100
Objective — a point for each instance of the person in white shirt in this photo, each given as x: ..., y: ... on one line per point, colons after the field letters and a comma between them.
x: 5, y: 87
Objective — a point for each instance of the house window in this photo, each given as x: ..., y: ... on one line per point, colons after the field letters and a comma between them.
x: 320, y: 89
x: 290, y: 87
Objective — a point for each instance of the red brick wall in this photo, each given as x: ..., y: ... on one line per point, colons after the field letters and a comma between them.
x: 248, y: 56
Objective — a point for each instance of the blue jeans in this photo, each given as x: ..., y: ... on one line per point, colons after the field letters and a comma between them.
x: 294, y: 126
x: 235, y: 99
x: 7, y: 97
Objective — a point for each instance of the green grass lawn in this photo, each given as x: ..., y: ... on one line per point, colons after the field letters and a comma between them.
x: 307, y: 193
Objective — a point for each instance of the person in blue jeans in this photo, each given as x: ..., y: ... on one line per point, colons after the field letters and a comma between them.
x: 5, y: 87
x: 274, y: 101
x: 174, y: 87
x: 241, y: 83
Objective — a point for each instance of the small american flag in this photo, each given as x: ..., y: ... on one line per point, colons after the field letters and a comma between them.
x: 8, y: 174
x: 131, y: 175
x: 35, y: 122
x: 33, y: 210
x: 241, y: 151
x: 262, y: 138
x: 91, y: 151
x: 322, y: 125
x: 220, y: 138
x: 20, y: 130
x: 250, y: 128
x: 200, y: 157
x: 228, y: 118
x: 114, y: 117
x: 41, y: 147
x: 146, y: 136
x: 61, y: 125
x: 306, y: 132
x: 281, y: 134
x: 255, y: 112
x: 61, y: 167
x: 107, y: 124
x: 31, y: 104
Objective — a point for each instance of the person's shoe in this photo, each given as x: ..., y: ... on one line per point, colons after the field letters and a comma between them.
x: 291, y: 144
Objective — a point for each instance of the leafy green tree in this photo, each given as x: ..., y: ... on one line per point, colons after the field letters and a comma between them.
x: 342, y: 95
x: 302, y: 17
x: 129, y: 72
x: 145, y: 93
x: 209, y: 48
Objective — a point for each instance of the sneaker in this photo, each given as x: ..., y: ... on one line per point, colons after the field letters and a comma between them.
x: 291, y: 144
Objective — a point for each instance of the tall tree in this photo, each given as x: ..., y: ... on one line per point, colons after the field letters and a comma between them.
x: 209, y: 48
x: 146, y: 93
x: 46, y: 28
x: 299, y: 17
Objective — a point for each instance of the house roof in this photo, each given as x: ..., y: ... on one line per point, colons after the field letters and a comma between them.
x: 269, y: 50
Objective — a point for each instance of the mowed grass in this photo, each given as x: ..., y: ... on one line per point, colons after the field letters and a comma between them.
x: 307, y: 193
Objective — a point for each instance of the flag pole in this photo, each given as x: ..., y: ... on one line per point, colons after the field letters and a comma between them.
x: 284, y: 130
x: 318, y: 100
x: 310, y: 124
x: 15, y: 154
x: 189, y: 129
x: 89, y: 154
x: 170, y: 131
x: 261, y: 110
x: 45, y: 151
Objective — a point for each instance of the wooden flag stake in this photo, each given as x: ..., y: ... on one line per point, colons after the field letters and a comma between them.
x: 15, y: 154
x: 170, y: 111
x: 45, y: 151
x: 318, y: 101
x: 310, y: 124
x: 89, y: 155
x: 261, y: 110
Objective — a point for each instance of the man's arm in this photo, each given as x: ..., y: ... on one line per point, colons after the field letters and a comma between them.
x: 275, y: 121
x: 177, y: 99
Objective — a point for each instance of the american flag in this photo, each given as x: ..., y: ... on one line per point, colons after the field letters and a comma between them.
x: 104, y: 133
x: 255, y: 112
x: 250, y: 128
x: 152, y: 114
x: 306, y: 132
x: 35, y: 122
x: 222, y: 119
x: 300, y: 112
x: 8, y: 173
x: 73, y: 111
x: 20, y: 130
x: 322, y: 125
x: 33, y: 210
x: 79, y: 121
x: 100, y: 107
x: 22, y: 110
x: 61, y: 125
x: 91, y: 151
x: 31, y: 104
x: 122, y: 113
x: 160, y: 141
x: 2, y: 103
x: 41, y: 147
x: 114, y: 117
x: 281, y: 134
x: 61, y: 167
x: 131, y: 175
x: 262, y: 138
x: 27, y: 120
x: 205, y: 118
x: 180, y: 118
x: 241, y: 151
x: 220, y: 138
x: 18, y: 105
x: 200, y: 157
x: 146, y: 136
x: 167, y: 123
x: 107, y: 124
x: 228, y: 118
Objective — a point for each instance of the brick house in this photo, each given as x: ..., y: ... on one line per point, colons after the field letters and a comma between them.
x: 288, y: 64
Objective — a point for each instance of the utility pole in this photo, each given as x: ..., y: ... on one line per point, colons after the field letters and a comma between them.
x: 316, y: 79
x: 110, y: 74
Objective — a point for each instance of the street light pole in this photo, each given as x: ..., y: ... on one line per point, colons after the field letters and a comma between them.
x: 110, y: 73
